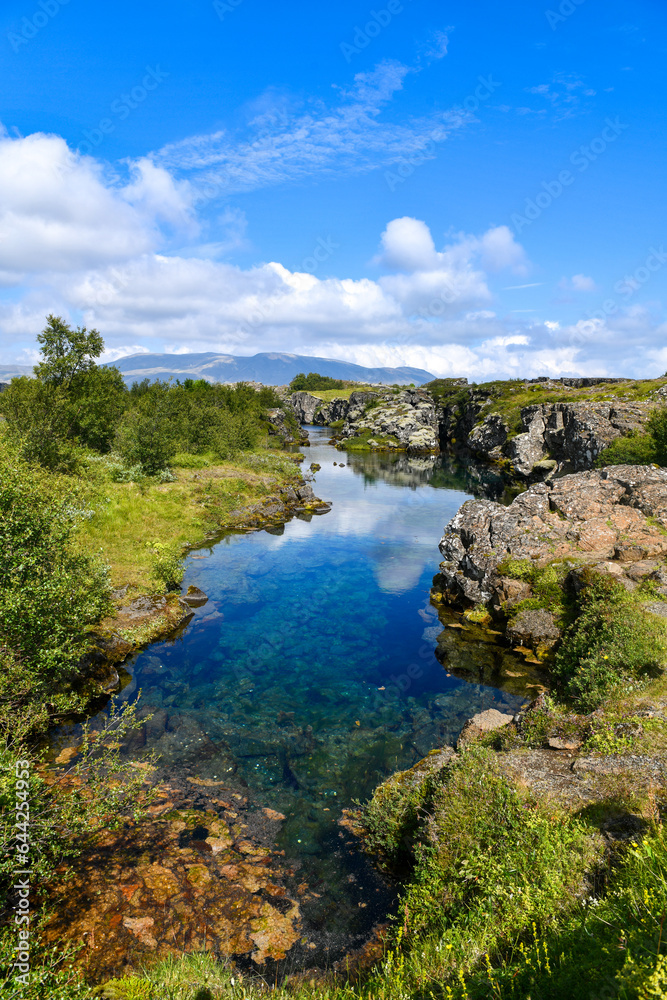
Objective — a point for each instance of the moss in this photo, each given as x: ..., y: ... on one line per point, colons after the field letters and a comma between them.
x: 612, y: 643
x: 362, y: 442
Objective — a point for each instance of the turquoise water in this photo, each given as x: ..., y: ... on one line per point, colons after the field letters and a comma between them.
x: 309, y: 676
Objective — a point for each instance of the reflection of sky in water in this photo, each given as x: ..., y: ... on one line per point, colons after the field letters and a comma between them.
x: 393, y: 521
x: 310, y: 674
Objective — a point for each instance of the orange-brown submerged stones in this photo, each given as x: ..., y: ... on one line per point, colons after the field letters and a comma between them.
x: 186, y: 881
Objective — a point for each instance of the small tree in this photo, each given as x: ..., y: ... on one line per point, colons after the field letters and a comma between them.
x: 146, y: 435
x: 70, y: 402
x: 66, y: 352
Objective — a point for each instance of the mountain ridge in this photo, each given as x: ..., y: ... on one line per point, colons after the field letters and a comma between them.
x: 269, y: 368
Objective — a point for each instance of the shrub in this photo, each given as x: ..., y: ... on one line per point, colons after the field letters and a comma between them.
x: 70, y: 402
x: 167, y: 565
x: 313, y: 381
x: 632, y: 449
x: 612, y: 642
x: 50, y: 595
x: 657, y: 426
x: 146, y: 435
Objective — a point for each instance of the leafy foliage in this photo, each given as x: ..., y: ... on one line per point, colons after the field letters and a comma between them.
x: 50, y: 595
x: 313, y: 381
x: 657, y: 426
x: 612, y: 642
x: 146, y: 436
x: 632, y: 449
x: 70, y: 402
x: 167, y: 565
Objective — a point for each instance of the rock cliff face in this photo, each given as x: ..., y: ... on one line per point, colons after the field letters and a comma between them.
x: 488, y: 423
x: 407, y: 420
x: 572, y: 434
x: 313, y: 410
x: 614, y: 519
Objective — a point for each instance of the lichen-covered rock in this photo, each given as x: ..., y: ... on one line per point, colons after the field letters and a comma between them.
x: 574, y: 434
x: 406, y: 420
x: 534, y: 627
x: 588, y: 517
x: 310, y: 409
x: 280, y: 426
x: 481, y: 724
x: 488, y: 436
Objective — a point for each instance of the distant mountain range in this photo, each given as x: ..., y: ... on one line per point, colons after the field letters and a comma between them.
x: 269, y: 369
x: 8, y: 372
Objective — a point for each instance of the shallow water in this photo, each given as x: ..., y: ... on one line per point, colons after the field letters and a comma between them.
x: 309, y: 676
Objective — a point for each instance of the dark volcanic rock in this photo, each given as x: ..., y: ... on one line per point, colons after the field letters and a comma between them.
x: 585, y: 516
x: 535, y: 627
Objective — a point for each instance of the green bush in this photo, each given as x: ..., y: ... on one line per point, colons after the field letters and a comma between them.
x: 657, y: 426
x: 167, y: 565
x: 632, y: 449
x: 71, y: 402
x: 50, y: 594
x: 146, y: 434
x: 611, y: 643
x: 313, y: 381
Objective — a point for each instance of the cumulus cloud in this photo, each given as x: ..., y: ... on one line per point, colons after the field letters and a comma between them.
x: 94, y: 246
x: 59, y: 212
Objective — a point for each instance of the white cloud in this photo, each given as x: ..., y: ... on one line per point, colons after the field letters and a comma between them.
x: 408, y: 246
x: 578, y: 283
x: 59, y: 212
x: 290, y: 143
x: 581, y: 283
x: 90, y: 242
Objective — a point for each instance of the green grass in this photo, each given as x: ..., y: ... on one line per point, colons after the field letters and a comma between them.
x: 326, y: 395
x: 613, y: 643
x: 129, y: 517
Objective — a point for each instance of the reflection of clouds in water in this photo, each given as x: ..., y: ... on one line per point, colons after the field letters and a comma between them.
x: 399, y: 573
x: 391, y: 519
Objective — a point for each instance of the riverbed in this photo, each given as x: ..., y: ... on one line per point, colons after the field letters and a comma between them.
x: 309, y: 675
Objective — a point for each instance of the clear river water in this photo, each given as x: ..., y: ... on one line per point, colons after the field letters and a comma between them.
x: 309, y: 676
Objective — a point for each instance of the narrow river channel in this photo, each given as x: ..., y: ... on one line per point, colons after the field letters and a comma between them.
x: 309, y: 676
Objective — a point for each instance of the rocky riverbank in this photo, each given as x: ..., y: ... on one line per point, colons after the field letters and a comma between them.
x: 529, y: 430
x: 611, y: 521
x: 523, y: 573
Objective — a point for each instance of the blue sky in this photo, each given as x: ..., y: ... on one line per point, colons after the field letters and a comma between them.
x: 476, y: 189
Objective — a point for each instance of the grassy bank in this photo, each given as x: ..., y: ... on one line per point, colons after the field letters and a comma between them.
x: 204, y: 496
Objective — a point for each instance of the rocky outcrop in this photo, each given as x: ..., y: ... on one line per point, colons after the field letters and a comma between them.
x: 573, y: 434
x: 406, y: 420
x: 530, y: 443
x: 282, y: 427
x: 489, y: 436
x: 311, y: 409
x: 566, y: 431
x: 614, y: 519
